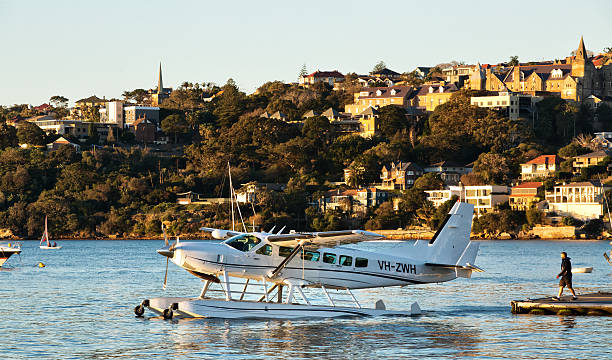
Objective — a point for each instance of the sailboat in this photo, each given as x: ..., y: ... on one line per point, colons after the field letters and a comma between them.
x: 45, y: 240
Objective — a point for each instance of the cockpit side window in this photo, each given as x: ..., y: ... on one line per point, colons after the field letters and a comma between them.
x: 265, y: 250
x: 311, y: 255
x: 346, y: 260
x: 329, y: 258
x: 284, y: 251
x: 243, y: 242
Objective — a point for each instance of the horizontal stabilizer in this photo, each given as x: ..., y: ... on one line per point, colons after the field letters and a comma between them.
x: 448, y: 266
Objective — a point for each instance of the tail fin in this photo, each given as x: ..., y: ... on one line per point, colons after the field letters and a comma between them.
x: 451, y: 245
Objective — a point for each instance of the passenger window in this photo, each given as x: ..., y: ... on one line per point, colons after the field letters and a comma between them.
x: 329, y: 258
x: 311, y: 255
x: 361, y: 262
x: 284, y: 251
x: 346, y: 260
x: 243, y: 242
x: 265, y: 250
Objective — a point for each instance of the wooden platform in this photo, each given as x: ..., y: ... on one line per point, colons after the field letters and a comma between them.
x: 597, y: 304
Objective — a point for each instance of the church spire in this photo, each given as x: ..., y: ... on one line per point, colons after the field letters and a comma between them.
x: 160, y: 84
x: 581, y: 53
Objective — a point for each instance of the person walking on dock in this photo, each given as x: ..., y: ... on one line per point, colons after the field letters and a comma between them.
x: 566, y: 277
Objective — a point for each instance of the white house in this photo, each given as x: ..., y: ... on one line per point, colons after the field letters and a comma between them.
x: 484, y: 197
x: 581, y: 200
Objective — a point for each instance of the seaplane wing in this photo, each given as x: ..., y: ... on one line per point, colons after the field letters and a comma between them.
x: 325, y: 238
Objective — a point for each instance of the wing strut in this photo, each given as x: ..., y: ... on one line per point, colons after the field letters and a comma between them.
x: 284, y: 263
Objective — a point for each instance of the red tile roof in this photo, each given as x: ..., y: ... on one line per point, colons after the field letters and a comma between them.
x: 529, y: 185
x: 545, y: 159
x: 42, y: 107
x: 322, y: 74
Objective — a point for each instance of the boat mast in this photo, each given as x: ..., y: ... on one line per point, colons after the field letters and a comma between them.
x: 229, y: 169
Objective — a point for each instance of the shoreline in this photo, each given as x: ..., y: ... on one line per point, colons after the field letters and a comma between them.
x: 201, y: 238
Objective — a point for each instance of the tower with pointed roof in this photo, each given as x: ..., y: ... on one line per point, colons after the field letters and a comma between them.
x: 584, y: 71
x: 160, y: 83
x: 580, y: 60
x: 161, y: 93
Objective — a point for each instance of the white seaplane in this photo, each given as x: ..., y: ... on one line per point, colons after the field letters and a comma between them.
x: 300, y: 261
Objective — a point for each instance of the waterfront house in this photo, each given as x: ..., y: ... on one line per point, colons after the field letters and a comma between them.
x: 485, y: 197
x: 327, y: 77
x: 62, y: 141
x: 439, y: 197
x: 590, y: 159
x: 248, y: 192
x: 512, y: 105
x: 400, y: 175
x: 337, y: 199
x: 540, y: 167
x: 580, y: 200
x: 525, y: 195
x: 449, y: 171
x: 371, y: 197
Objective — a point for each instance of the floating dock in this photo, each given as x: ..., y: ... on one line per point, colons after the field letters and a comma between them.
x: 597, y: 304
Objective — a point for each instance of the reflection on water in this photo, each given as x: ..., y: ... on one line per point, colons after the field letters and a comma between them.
x: 80, y: 306
x: 355, y: 338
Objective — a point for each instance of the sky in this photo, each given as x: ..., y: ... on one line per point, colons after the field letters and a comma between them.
x: 80, y: 48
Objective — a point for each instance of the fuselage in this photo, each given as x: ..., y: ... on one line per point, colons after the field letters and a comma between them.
x: 339, y: 267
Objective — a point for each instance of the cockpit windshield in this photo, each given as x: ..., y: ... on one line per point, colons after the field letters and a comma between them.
x: 244, y: 242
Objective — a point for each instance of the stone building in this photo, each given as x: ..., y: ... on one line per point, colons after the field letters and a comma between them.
x: 400, y: 175
x: 574, y: 78
x: 161, y: 93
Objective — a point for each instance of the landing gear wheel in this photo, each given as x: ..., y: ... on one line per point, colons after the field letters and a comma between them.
x: 139, y: 310
x: 168, y: 314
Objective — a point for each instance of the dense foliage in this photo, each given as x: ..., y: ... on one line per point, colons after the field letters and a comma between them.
x: 128, y: 191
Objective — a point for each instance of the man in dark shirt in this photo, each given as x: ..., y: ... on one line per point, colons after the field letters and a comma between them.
x: 566, y: 277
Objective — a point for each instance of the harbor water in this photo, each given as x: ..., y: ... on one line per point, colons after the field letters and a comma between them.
x: 80, y: 306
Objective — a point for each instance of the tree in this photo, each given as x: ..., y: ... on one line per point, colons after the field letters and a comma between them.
x: 59, y: 101
x: 472, y: 179
x: 412, y: 78
x: 534, y: 216
x: 230, y: 104
x: 384, y: 218
x: 429, y: 181
x: 29, y: 133
x: 303, y: 71
x: 572, y: 149
x: 392, y: 119
x: 91, y: 113
x: 604, y: 115
x: 514, y: 61
x: 137, y: 95
x: 464, y: 130
x: 608, y: 50
x: 92, y: 134
x: 318, y: 128
x: 175, y: 124
x: 493, y: 168
x: 8, y: 136
x: 379, y: 67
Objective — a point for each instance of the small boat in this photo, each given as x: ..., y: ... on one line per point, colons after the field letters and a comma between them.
x: 8, y: 250
x: 582, y: 270
x: 45, y: 240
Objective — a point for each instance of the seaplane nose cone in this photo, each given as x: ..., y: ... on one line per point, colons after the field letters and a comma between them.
x: 166, y: 252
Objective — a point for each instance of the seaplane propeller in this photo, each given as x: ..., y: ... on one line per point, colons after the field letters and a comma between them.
x: 168, y: 252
